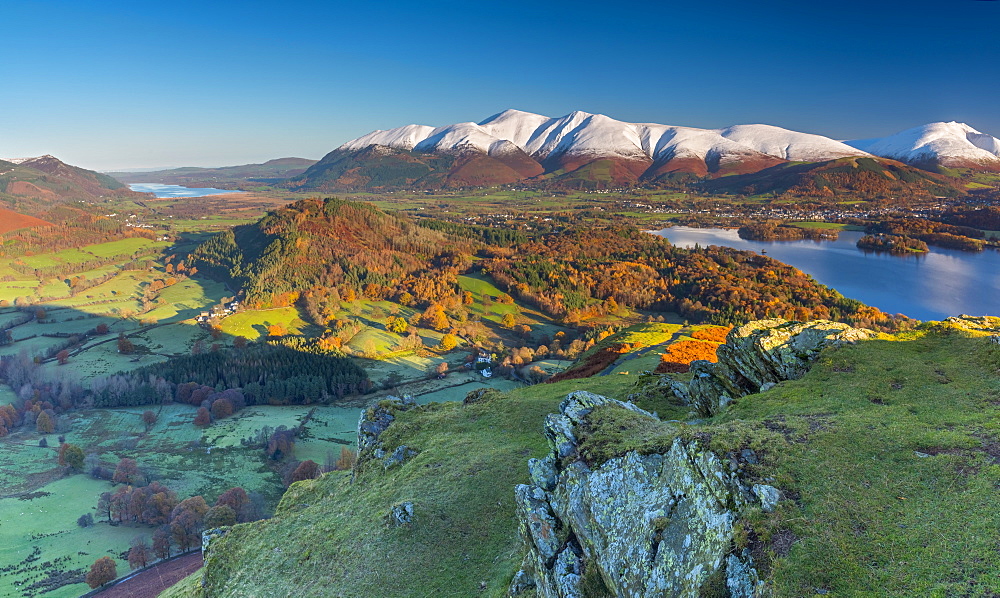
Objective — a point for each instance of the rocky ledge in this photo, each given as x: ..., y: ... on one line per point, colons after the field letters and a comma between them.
x: 638, y: 525
x: 759, y: 355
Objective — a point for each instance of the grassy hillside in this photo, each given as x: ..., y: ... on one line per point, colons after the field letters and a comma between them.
x: 855, y: 177
x: 271, y: 171
x: 886, y: 453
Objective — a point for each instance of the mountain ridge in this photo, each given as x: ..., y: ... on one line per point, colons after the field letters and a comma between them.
x: 514, y: 146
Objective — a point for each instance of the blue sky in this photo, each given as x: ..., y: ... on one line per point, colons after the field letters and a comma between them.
x: 106, y: 84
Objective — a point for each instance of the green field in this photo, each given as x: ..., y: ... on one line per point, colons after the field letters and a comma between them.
x: 252, y: 324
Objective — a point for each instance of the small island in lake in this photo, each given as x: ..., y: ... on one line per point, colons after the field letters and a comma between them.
x: 892, y: 244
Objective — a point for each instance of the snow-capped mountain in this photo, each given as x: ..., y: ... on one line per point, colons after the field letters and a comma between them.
x: 32, y: 159
x: 942, y: 143
x: 570, y: 141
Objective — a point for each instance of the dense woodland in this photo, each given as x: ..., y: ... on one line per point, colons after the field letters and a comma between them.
x: 263, y: 373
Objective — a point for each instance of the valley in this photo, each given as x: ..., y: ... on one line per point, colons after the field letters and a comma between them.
x: 255, y: 328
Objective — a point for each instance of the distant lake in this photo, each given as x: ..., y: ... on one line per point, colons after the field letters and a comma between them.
x: 930, y: 286
x: 176, y: 190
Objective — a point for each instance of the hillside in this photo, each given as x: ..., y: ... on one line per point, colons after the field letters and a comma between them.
x: 856, y: 177
x: 319, y: 244
x: 11, y: 221
x: 882, y: 460
x: 270, y: 171
x: 33, y: 185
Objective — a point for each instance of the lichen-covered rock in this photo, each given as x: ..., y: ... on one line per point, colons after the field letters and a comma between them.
x: 399, y: 456
x: 538, y: 524
x: 374, y: 421
x: 543, y: 472
x: 210, y: 535
x: 651, y: 525
x: 742, y: 579
x: 977, y: 324
x: 769, y: 496
x: 762, y: 353
x: 659, y: 385
x: 400, y: 515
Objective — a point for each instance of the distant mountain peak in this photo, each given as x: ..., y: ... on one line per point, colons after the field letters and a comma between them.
x: 952, y: 144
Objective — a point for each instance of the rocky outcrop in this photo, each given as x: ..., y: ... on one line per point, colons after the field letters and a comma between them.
x: 642, y: 525
x: 375, y: 420
x: 760, y: 354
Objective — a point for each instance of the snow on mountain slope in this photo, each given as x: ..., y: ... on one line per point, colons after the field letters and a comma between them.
x: 949, y: 143
x: 400, y: 138
x: 789, y: 145
x: 584, y: 135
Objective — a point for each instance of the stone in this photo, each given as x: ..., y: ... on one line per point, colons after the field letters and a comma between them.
x: 769, y: 496
x: 374, y: 421
x: 652, y: 525
x: 399, y: 456
x: 538, y: 524
x: 543, y: 472
x: 742, y: 579
x: 400, y: 515
x: 763, y: 353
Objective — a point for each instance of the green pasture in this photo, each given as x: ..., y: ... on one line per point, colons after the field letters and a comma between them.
x: 253, y: 324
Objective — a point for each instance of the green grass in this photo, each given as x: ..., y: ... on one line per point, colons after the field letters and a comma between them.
x: 870, y: 516
x: 253, y: 324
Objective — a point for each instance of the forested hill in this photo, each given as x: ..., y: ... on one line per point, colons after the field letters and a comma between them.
x: 330, y: 245
x: 317, y: 253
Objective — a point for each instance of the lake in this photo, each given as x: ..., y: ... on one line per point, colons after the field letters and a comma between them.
x: 176, y: 190
x: 930, y: 286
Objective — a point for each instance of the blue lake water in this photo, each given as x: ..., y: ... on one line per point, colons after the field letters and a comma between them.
x: 176, y: 190
x: 931, y: 286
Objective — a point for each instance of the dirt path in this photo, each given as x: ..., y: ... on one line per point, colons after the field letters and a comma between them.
x: 152, y: 581
x: 641, y: 352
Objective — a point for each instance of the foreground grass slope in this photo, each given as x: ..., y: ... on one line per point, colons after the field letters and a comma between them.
x: 887, y: 454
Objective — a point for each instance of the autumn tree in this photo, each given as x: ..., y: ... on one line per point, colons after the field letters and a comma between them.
x: 222, y: 408
x: 508, y: 321
x: 202, y: 418
x: 307, y: 470
x: 138, y: 554
x: 347, y: 459
x: 441, y: 369
x: 162, y: 542
x: 127, y: 472
x: 125, y: 346
x: 101, y: 572
x: 62, y: 357
x: 44, y: 423
x: 187, y: 521
x: 276, y: 330
x: 71, y: 456
x: 397, y: 325
x: 237, y: 500
x: 448, y: 342
x: 148, y: 418
x: 219, y: 516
